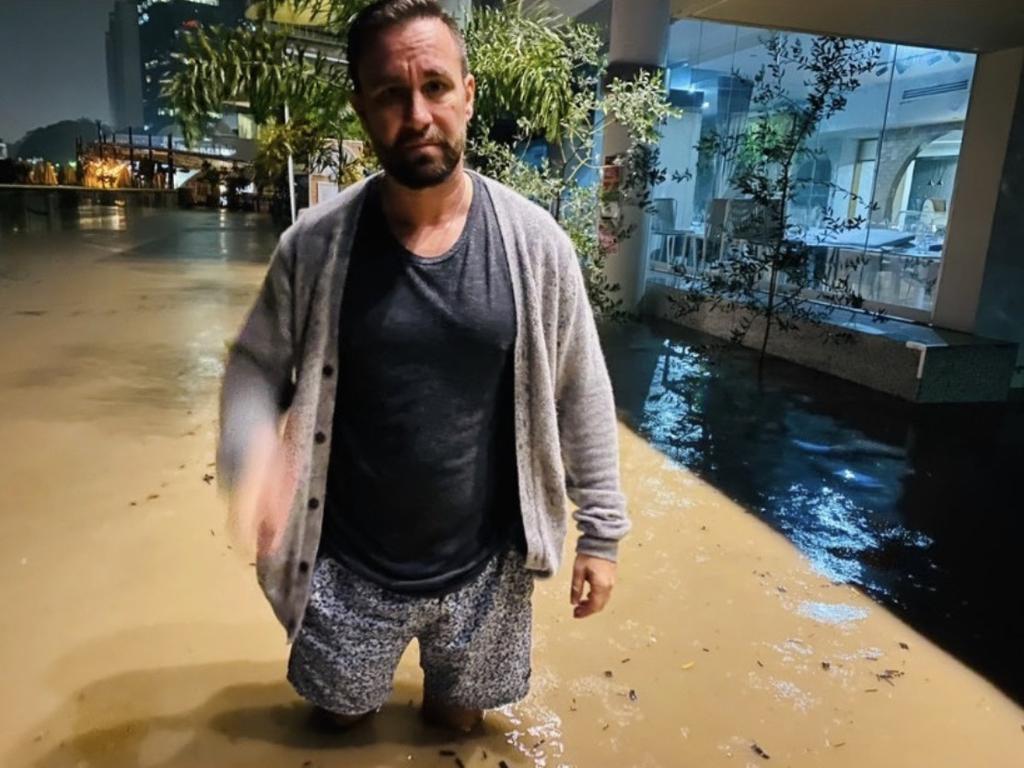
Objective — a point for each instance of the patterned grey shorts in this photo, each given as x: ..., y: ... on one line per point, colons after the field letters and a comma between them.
x: 474, y: 642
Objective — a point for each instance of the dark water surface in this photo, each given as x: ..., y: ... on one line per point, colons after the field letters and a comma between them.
x: 920, y: 506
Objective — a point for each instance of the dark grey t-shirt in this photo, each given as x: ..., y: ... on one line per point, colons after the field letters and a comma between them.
x: 422, y: 485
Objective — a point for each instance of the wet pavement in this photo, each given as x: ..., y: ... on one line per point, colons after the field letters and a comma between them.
x: 134, y: 636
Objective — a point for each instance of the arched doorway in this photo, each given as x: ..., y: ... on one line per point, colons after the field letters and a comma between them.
x: 921, y: 198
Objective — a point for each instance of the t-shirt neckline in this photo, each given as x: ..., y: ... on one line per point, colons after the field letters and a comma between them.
x: 429, y: 261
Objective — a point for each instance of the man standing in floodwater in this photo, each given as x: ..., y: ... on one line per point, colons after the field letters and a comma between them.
x: 426, y: 339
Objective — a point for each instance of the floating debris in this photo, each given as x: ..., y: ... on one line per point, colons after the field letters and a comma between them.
x: 447, y: 753
x: 608, y: 673
x: 760, y: 752
x: 691, y: 664
x: 632, y: 695
x: 625, y: 661
x: 826, y: 665
x: 889, y: 675
x: 459, y: 763
x: 870, y: 690
x: 759, y: 662
x: 207, y: 478
x: 502, y: 764
x: 904, y: 646
x: 153, y: 496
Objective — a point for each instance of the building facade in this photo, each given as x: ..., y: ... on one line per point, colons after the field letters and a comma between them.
x: 928, y: 152
x: 124, y: 69
x: 143, y: 51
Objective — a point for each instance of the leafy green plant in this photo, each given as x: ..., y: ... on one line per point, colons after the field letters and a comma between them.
x: 541, y: 79
x: 539, y: 82
x: 262, y: 68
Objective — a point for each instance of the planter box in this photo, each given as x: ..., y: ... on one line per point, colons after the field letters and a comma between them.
x: 917, y: 363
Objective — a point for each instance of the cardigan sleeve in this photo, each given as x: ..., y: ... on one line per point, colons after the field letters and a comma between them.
x: 258, y: 376
x: 587, y: 425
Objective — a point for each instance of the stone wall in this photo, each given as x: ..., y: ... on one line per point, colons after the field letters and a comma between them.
x: 899, y: 147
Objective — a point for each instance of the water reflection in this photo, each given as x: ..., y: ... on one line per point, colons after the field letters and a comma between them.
x: 910, y: 503
x: 59, y: 212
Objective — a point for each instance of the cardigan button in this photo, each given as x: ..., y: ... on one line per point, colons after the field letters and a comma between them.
x: 320, y: 438
x: 314, y: 503
x: 303, y: 566
x: 328, y: 370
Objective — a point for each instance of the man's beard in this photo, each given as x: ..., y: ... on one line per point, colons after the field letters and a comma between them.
x: 418, y: 169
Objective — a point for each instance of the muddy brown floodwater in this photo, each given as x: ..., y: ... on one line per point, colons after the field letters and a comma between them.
x: 134, y: 637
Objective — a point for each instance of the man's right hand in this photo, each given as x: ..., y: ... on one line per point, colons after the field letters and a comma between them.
x: 261, y: 499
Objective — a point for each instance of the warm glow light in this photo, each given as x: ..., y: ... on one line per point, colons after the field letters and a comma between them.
x: 107, y: 173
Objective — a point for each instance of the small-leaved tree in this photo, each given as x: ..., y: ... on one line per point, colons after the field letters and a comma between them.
x: 768, y: 269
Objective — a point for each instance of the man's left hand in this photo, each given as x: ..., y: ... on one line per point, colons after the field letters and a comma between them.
x: 599, y: 574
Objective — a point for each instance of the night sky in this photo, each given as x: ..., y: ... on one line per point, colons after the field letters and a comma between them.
x: 52, y: 63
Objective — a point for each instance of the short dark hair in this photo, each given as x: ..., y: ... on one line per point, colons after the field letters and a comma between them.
x: 385, y: 14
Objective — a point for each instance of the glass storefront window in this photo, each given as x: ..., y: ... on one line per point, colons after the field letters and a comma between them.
x: 889, y: 159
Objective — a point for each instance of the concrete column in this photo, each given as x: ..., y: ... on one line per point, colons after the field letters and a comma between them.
x: 638, y: 38
x: 1000, y: 312
x: 982, y: 169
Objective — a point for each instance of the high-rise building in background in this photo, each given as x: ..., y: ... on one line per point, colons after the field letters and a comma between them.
x: 124, y: 69
x: 144, y: 49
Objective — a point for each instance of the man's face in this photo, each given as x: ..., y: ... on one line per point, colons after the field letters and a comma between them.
x: 414, y: 101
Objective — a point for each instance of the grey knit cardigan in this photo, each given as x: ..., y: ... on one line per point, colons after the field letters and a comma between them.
x: 281, y: 370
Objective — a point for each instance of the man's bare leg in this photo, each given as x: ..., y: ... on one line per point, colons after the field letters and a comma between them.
x: 334, y: 720
x: 451, y: 717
